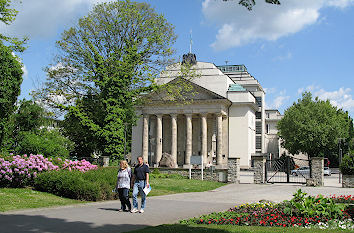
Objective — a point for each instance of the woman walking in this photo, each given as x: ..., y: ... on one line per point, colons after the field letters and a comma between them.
x: 123, y: 185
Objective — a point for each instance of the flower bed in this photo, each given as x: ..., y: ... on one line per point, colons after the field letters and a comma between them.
x: 301, y: 211
x: 19, y: 171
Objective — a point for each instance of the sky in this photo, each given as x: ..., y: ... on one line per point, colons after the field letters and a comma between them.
x: 298, y: 46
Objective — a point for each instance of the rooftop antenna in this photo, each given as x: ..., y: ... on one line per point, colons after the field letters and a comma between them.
x: 190, y: 41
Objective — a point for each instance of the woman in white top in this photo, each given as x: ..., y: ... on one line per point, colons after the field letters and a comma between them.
x: 123, y: 185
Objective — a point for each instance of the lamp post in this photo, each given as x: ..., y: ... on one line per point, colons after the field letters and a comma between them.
x: 125, y: 140
x: 340, y: 140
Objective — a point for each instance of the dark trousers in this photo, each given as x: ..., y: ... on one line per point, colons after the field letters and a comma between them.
x: 124, y: 198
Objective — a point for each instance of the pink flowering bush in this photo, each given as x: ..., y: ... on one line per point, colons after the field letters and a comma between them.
x: 19, y: 171
x: 82, y: 165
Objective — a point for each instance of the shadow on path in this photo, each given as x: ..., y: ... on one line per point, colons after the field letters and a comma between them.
x: 23, y: 223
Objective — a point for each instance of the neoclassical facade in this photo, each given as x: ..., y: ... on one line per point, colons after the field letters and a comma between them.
x: 217, y: 121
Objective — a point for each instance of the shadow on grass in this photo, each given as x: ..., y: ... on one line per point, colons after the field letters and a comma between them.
x: 17, y: 223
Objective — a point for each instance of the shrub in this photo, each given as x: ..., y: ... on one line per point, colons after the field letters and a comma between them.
x: 68, y: 184
x: 93, y: 185
x: 347, y: 165
x: 19, y: 171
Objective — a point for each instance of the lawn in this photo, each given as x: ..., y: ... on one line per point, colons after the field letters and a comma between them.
x: 164, y: 186
x: 24, y: 198
x: 229, y: 228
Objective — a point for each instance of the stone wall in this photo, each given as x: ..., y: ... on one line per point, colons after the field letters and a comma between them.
x: 233, y: 171
x: 259, y: 168
x: 317, y: 172
x: 348, y: 181
x: 219, y: 175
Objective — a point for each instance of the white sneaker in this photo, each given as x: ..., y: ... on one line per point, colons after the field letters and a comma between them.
x: 134, y: 210
x: 141, y: 210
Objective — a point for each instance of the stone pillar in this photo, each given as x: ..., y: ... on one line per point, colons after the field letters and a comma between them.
x: 259, y: 162
x: 204, y: 148
x: 174, y: 139
x: 145, y: 138
x: 187, y: 160
x: 233, y: 170
x: 317, y: 169
x: 158, y: 153
x: 219, y: 142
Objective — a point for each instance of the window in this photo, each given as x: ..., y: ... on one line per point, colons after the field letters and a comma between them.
x: 268, y: 115
x: 258, y: 115
x: 258, y: 142
x: 259, y: 101
x: 258, y: 127
x: 267, y: 128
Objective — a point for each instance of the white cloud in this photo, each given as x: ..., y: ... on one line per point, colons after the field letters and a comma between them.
x: 238, y: 26
x: 269, y: 90
x: 42, y: 18
x: 25, y: 71
x: 278, y: 101
x: 341, y: 98
x: 287, y: 56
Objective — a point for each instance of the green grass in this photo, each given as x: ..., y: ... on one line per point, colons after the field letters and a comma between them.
x: 164, y: 186
x: 25, y: 198
x: 228, y: 228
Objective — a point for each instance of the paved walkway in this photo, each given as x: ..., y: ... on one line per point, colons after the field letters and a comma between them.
x: 103, y: 216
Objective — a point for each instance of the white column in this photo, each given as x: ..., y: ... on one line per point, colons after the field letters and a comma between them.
x: 204, y: 137
x: 187, y: 161
x: 174, y: 138
x: 219, y: 142
x: 145, y: 137
x: 158, y: 153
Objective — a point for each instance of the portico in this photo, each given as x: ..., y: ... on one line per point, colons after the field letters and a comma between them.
x: 198, y: 128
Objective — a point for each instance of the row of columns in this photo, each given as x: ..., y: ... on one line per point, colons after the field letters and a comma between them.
x: 204, y: 141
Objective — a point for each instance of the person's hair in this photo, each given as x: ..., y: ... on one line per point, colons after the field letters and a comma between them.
x: 124, y: 163
x: 139, y: 157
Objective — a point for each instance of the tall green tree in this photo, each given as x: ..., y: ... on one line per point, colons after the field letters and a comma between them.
x: 108, y: 58
x: 10, y: 87
x: 313, y: 127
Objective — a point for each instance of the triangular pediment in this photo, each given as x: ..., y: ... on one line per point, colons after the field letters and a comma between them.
x: 183, y: 89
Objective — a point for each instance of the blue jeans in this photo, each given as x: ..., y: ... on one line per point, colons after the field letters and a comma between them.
x: 139, y: 185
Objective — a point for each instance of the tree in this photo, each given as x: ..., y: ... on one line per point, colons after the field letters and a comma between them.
x: 313, y: 127
x: 108, y: 59
x: 29, y: 117
x: 10, y: 83
x: 7, y: 16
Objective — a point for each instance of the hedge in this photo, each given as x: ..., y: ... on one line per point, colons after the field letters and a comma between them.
x: 93, y: 185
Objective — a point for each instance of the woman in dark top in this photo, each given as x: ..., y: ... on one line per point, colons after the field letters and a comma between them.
x: 139, y: 181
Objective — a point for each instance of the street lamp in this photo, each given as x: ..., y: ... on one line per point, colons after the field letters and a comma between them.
x: 125, y: 139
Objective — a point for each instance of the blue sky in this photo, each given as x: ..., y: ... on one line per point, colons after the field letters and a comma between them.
x: 300, y: 45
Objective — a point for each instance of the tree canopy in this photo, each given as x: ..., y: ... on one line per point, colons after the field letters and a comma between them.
x: 313, y: 127
x: 104, y: 63
x: 10, y: 87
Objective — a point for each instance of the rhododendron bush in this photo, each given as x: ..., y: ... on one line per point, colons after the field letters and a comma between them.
x: 19, y: 171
